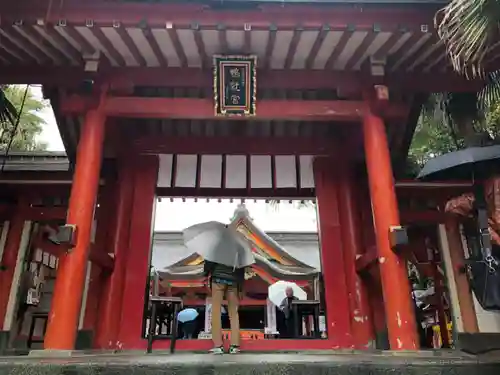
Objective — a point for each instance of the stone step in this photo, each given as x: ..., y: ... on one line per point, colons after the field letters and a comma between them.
x: 452, y: 363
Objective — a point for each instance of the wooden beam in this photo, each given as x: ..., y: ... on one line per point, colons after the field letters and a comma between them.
x: 45, y: 213
x: 98, y: 257
x: 353, y: 81
x: 103, y: 260
x: 203, y: 109
x: 367, y: 260
x: 184, y: 14
x: 242, y: 302
x: 428, y: 216
x: 237, y: 145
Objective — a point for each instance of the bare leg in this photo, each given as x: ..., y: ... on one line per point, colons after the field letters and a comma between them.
x: 217, y: 297
x: 233, y: 302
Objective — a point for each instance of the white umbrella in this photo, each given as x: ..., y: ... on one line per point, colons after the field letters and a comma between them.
x: 217, y: 243
x: 277, y: 292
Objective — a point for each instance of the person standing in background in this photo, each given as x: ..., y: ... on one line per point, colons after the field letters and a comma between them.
x: 225, y: 281
x: 286, y: 308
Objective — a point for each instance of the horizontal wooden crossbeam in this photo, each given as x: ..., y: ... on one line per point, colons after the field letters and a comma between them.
x: 126, y: 77
x: 203, y: 109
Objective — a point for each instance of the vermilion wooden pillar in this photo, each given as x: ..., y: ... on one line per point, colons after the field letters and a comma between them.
x: 332, y: 264
x: 104, y: 214
x: 111, y: 298
x: 395, y: 283
x: 9, y: 259
x: 68, y: 290
x: 361, y: 316
x: 139, y: 252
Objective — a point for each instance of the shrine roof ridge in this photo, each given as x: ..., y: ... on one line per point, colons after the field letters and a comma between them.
x: 51, y: 161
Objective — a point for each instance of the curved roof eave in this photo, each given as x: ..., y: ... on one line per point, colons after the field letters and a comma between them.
x: 274, y: 269
x: 242, y: 215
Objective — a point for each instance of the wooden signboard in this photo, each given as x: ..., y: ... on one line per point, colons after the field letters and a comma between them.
x: 235, y: 83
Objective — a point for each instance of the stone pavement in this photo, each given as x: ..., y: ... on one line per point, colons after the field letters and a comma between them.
x: 420, y: 363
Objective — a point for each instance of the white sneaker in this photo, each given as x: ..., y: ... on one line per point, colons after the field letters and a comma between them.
x: 233, y: 349
x: 217, y: 350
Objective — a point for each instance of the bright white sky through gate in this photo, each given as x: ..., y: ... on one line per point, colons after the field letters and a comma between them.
x: 177, y: 215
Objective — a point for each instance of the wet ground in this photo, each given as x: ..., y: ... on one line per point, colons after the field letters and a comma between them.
x: 428, y: 363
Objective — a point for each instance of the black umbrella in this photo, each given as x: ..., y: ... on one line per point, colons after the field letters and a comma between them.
x: 467, y: 164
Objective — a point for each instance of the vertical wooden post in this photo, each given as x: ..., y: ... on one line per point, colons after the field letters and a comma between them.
x: 139, y: 252
x: 361, y: 316
x: 393, y: 270
x: 104, y: 219
x: 68, y: 290
x: 111, y: 298
x: 464, y: 295
x: 9, y: 259
x: 332, y: 263
x: 16, y: 243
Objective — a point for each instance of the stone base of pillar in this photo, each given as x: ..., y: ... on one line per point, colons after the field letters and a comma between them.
x: 382, y: 340
x: 84, y: 340
x: 53, y: 353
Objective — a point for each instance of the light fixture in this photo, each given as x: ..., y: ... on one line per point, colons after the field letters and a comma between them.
x: 377, y: 66
x: 381, y: 92
x: 91, y: 61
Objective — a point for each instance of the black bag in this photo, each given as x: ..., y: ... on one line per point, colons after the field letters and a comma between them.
x: 484, y: 265
x: 485, y: 283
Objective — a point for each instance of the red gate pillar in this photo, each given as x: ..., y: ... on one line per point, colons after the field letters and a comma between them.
x: 104, y: 219
x: 395, y: 284
x: 139, y: 250
x: 111, y: 298
x: 334, y: 280
x: 361, y: 316
x: 68, y: 290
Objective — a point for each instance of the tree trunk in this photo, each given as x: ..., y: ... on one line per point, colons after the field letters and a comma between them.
x: 471, y: 137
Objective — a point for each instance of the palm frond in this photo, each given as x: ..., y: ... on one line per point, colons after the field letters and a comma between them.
x: 490, y: 94
x: 8, y: 112
x: 468, y: 29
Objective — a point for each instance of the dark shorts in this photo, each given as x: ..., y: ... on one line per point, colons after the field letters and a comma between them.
x: 217, y: 280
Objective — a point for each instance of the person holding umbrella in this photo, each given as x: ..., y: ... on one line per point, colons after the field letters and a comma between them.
x: 226, y: 254
x: 187, y: 318
x: 282, y: 294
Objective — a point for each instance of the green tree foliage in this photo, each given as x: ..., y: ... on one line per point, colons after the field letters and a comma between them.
x: 436, y: 134
x: 30, y: 124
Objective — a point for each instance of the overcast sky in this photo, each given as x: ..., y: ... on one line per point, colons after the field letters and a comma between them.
x: 177, y: 215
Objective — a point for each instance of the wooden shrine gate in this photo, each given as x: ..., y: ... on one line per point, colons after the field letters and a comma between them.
x: 289, y: 100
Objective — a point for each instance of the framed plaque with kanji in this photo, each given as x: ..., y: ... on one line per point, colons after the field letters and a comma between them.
x: 235, y: 83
